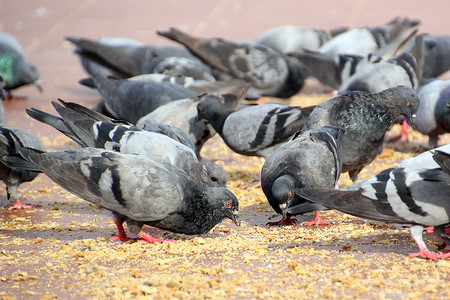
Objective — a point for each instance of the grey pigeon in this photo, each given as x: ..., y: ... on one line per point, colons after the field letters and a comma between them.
x: 365, y: 118
x: 308, y: 160
x: 415, y: 192
x: 433, y: 115
x: 289, y: 38
x: 268, y: 72
x: 332, y: 69
x: 123, y: 61
x: 14, y: 69
x: 436, y: 55
x: 364, y: 41
x: 132, y: 99
x: 403, y: 69
x: 183, y: 114
x: 138, y: 191
x: 253, y: 130
x: 131, y: 140
x: 11, y: 140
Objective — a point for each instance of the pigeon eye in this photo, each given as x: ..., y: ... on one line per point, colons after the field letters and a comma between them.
x: 228, y: 204
x: 290, y: 194
x: 410, y: 104
x: 213, y: 179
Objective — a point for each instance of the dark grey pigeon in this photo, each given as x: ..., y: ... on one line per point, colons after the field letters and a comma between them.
x: 364, y: 41
x: 253, y: 130
x: 365, y: 118
x: 289, y: 38
x: 268, y: 72
x: 138, y: 191
x: 415, y: 192
x: 308, y: 160
x: 132, y: 140
x: 11, y: 140
x: 122, y: 61
x: 433, y: 115
x: 183, y: 114
x: 14, y: 69
x: 132, y: 99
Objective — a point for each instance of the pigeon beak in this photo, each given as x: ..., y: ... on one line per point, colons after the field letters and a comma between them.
x: 413, y: 118
x: 283, y: 207
x: 38, y: 85
x: 235, y: 217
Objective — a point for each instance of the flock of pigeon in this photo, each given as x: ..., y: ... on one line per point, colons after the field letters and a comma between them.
x: 140, y: 145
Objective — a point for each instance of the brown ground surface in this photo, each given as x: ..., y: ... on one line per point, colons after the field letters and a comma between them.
x: 61, y: 249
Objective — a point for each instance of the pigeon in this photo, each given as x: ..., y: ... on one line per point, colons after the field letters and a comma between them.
x: 268, y: 72
x: 403, y: 69
x: 130, y: 100
x: 138, y: 191
x: 11, y: 140
x: 335, y: 69
x: 433, y: 115
x: 289, y: 38
x: 183, y: 114
x: 14, y: 69
x: 332, y: 69
x: 132, y: 140
x: 415, y: 192
x: 365, y: 118
x: 253, y: 130
x: 436, y: 55
x: 364, y: 41
x: 308, y: 160
x: 125, y: 60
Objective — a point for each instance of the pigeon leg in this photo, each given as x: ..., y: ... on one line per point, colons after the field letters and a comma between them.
x: 317, y: 220
x: 283, y: 222
x: 416, y: 233
x: 149, y: 239
x: 254, y: 185
x: 404, y: 132
x: 122, y: 235
x: 19, y: 205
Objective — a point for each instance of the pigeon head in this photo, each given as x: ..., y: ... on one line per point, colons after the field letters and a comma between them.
x: 295, y: 79
x: 402, y: 100
x: 27, y: 73
x: 283, y: 191
x: 224, y: 204
x: 208, y: 173
x: 214, y: 111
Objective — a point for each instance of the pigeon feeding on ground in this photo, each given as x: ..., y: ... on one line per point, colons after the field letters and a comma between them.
x: 268, y: 72
x: 365, y: 118
x: 11, y: 140
x: 253, y: 130
x: 433, y: 115
x: 183, y: 114
x: 133, y: 140
x: 130, y: 100
x: 308, y: 160
x: 14, y: 69
x: 415, y: 192
x: 364, y: 41
x: 138, y: 191
x: 289, y: 38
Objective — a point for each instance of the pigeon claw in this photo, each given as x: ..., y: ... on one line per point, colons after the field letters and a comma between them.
x: 151, y: 240
x: 283, y: 222
x: 20, y: 205
x: 317, y: 221
x: 424, y: 253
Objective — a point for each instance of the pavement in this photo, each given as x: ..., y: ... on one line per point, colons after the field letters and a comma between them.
x: 42, y: 25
